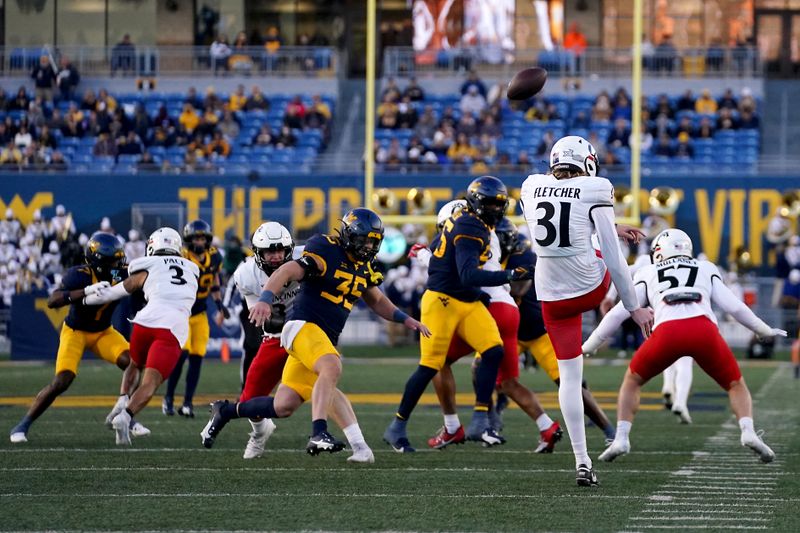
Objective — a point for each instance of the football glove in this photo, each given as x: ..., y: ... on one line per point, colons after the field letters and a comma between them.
x: 772, y: 332
x: 521, y: 273
x: 222, y: 309
x: 412, y: 253
x: 96, y: 287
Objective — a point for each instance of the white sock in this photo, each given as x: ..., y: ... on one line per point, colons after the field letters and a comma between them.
x: 683, y: 381
x: 259, y: 426
x: 451, y: 423
x: 570, y: 398
x: 623, y: 430
x: 355, y: 437
x: 122, y: 401
x: 544, y: 422
x: 669, y: 380
x: 746, y: 424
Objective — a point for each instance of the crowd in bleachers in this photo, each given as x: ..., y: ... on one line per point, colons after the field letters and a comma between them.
x: 479, y: 129
x: 169, y: 132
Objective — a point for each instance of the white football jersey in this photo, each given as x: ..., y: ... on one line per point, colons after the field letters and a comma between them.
x: 501, y: 293
x: 250, y: 281
x: 562, y: 216
x: 680, y: 287
x: 170, y: 290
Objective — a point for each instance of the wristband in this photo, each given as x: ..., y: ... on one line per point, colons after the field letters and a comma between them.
x: 267, y: 297
x: 399, y: 316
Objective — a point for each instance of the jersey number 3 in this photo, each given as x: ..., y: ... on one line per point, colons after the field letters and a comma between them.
x: 550, y: 229
x: 349, y: 286
x: 177, y: 277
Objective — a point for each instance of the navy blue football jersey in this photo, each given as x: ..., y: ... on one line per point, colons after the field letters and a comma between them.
x: 531, y: 323
x: 209, y: 266
x: 91, y: 318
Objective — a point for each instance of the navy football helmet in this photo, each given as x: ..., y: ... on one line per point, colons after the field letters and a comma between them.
x: 508, y: 235
x: 197, y: 228
x: 523, y: 243
x: 487, y: 197
x: 361, y: 233
x: 105, y: 255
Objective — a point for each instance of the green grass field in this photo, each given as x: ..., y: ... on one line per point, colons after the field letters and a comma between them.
x: 71, y: 476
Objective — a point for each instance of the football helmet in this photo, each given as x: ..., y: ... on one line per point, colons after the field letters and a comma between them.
x: 104, y: 255
x: 670, y: 243
x: 508, y: 235
x: 361, y: 233
x: 197, y: 228
x: 448, y: 210
x: 164, y: 241
x: 487, y: 197
x: 270, y: 237
x: 523, y: 243
x: 573, y: 152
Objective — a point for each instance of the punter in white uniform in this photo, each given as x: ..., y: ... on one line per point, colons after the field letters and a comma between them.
x: 160, y: 329
x: 681, y: 290
x: 563, y: 209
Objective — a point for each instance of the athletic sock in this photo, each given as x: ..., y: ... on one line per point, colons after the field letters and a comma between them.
x: 683, y: 381
x: 354, y: 437
x: 318, y: 426
x: 609, y: 432
x: 623, y: 430
x: 415, y: 386
x: 23, y: 426
x: 486, y: 376
x: 258, y: 407
x: 570, y: 398
x: 175, y: 376
x: 259, y: 426
x: 451, y: 423
x: 746, y: 424
x: 192, y: 378
x: 544, y: 422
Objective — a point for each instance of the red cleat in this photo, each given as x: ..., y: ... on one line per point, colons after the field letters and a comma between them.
x: 443, y: 438
x: 548, y: 438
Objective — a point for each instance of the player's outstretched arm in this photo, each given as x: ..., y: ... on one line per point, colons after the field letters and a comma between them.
x: 101, y: 295
x: 384, y: 308
x: 629, y: 233
x: 62, y: 297
x: 286, y: 273
x: 611, y: 323
x: 468, y: 252
x: 728, y: 302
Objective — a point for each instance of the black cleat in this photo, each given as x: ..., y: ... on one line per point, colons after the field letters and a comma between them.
x: 324, y: 442
x: 215, y: 424
x: 667, y: 401
x: 585, y: 477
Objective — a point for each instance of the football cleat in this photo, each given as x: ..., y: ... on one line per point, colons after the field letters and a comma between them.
x: 488, y: 438
x: 667, y: 401
x: 442, y: 439
x: 166, y: 406
x: 122, y: 403
x: 324, y: 442
x: 496, y: 419
x: 585, y: 476
x: 186, y: 411
x: 215, y: 424
x: 122, y: 428
x: 754, y: 442
x: 138, y: 430
x: 258, y: 440
x: 18, y: 437
x: 614, y: 450
x: 548, y: 438
x: 364, y: 455
x: 398, y: 441
x: 682, y: 413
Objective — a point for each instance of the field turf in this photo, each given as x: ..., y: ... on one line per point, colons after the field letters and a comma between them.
x: 71, y: 476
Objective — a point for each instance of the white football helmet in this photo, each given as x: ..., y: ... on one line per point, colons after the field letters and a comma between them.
x: 164, y: 241
x: 271, y: 236
x: 448, y: 210
x: 670, y: 243
x: 573, y: 152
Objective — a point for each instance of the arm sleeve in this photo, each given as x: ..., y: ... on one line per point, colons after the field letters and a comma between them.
x: 728, y: 302
x: 468, y: 250
x: 603, y: 218
x: 611, y: 322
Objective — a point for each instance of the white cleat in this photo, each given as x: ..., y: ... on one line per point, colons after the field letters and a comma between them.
x: 615, y: 450
x: 138, y: 430
x: 19, y: 437
x: 122, y: 427
x: 754, y: 442
x: 122, y: 403
x: 258, y: 440
x: 682, y: 413
x: 363, y: 455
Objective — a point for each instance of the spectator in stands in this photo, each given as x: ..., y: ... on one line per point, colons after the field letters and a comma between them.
x: 705, y: 130
x: 726, y: 120
x: 665, y: 55
x: 67, y: 78
x: 601, y: 110
x: 62, y: 224
x: 747, y: 101
x: 685, y: 125
x: 620, y: 135
x: 145, y: 164
x: 728, y: 100
x: 390, y: 91
x: 44, y: 79
x: 272, y: 44
x: 295, y: 113
x: 686, y: 102
x: 193, y: 98
x: 238, y: 99
x: 705, y: 105
x: 21, y: 102
x: 406, y: 114
x: 123, y: 56
x: 188, y: 119
x: 388, y: 119
x: 684, y: 147
x: 490, y: 127
x: 581, y: 120
x: 212, y: 100
x: 545, y: 144
x: 73, y: 127
x: 141, y: 122
x: 23, y: 138
x: 663, y: 107
x: 264, y: 136
x: 10, y: 155
x: 448, y: 117
x: 749, y: 120
x: 47, y: 139
x: 523, y: 159
x: 239, y: 60
x: 645, y: 139
x: 715, y: 56
x: 228, y: 126
x: 104, y: 146
x: 537, y: 112
x: 106, y: 102
x: 442, y: 139
x: 219, y: 52
x: 57, y: 161
x: 5, y: 134
x: 473, y: 101
x: 487, y: 150
x: 473, y: 81
x: 662, y: 125
x: 622, y: 107
x: 218, y: 146
x: 426, y: 125
x: 36, y: 117
x: 664, y: 146
x: 413, y: 91
x: 391, y: 155
x: 130, y: 144
x: 575, y: 42
x: 286, y: 138
x: 467, y: 125
x: 33, y: 157
x: 89, y: 101
x: 256, y: 100
x: 318, y: 114
x: 462, y: 151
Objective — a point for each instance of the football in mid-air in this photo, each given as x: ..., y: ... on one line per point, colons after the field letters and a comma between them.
x: 526, y: 83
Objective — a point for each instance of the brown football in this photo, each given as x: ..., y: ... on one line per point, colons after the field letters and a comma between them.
x: 526, y: 83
